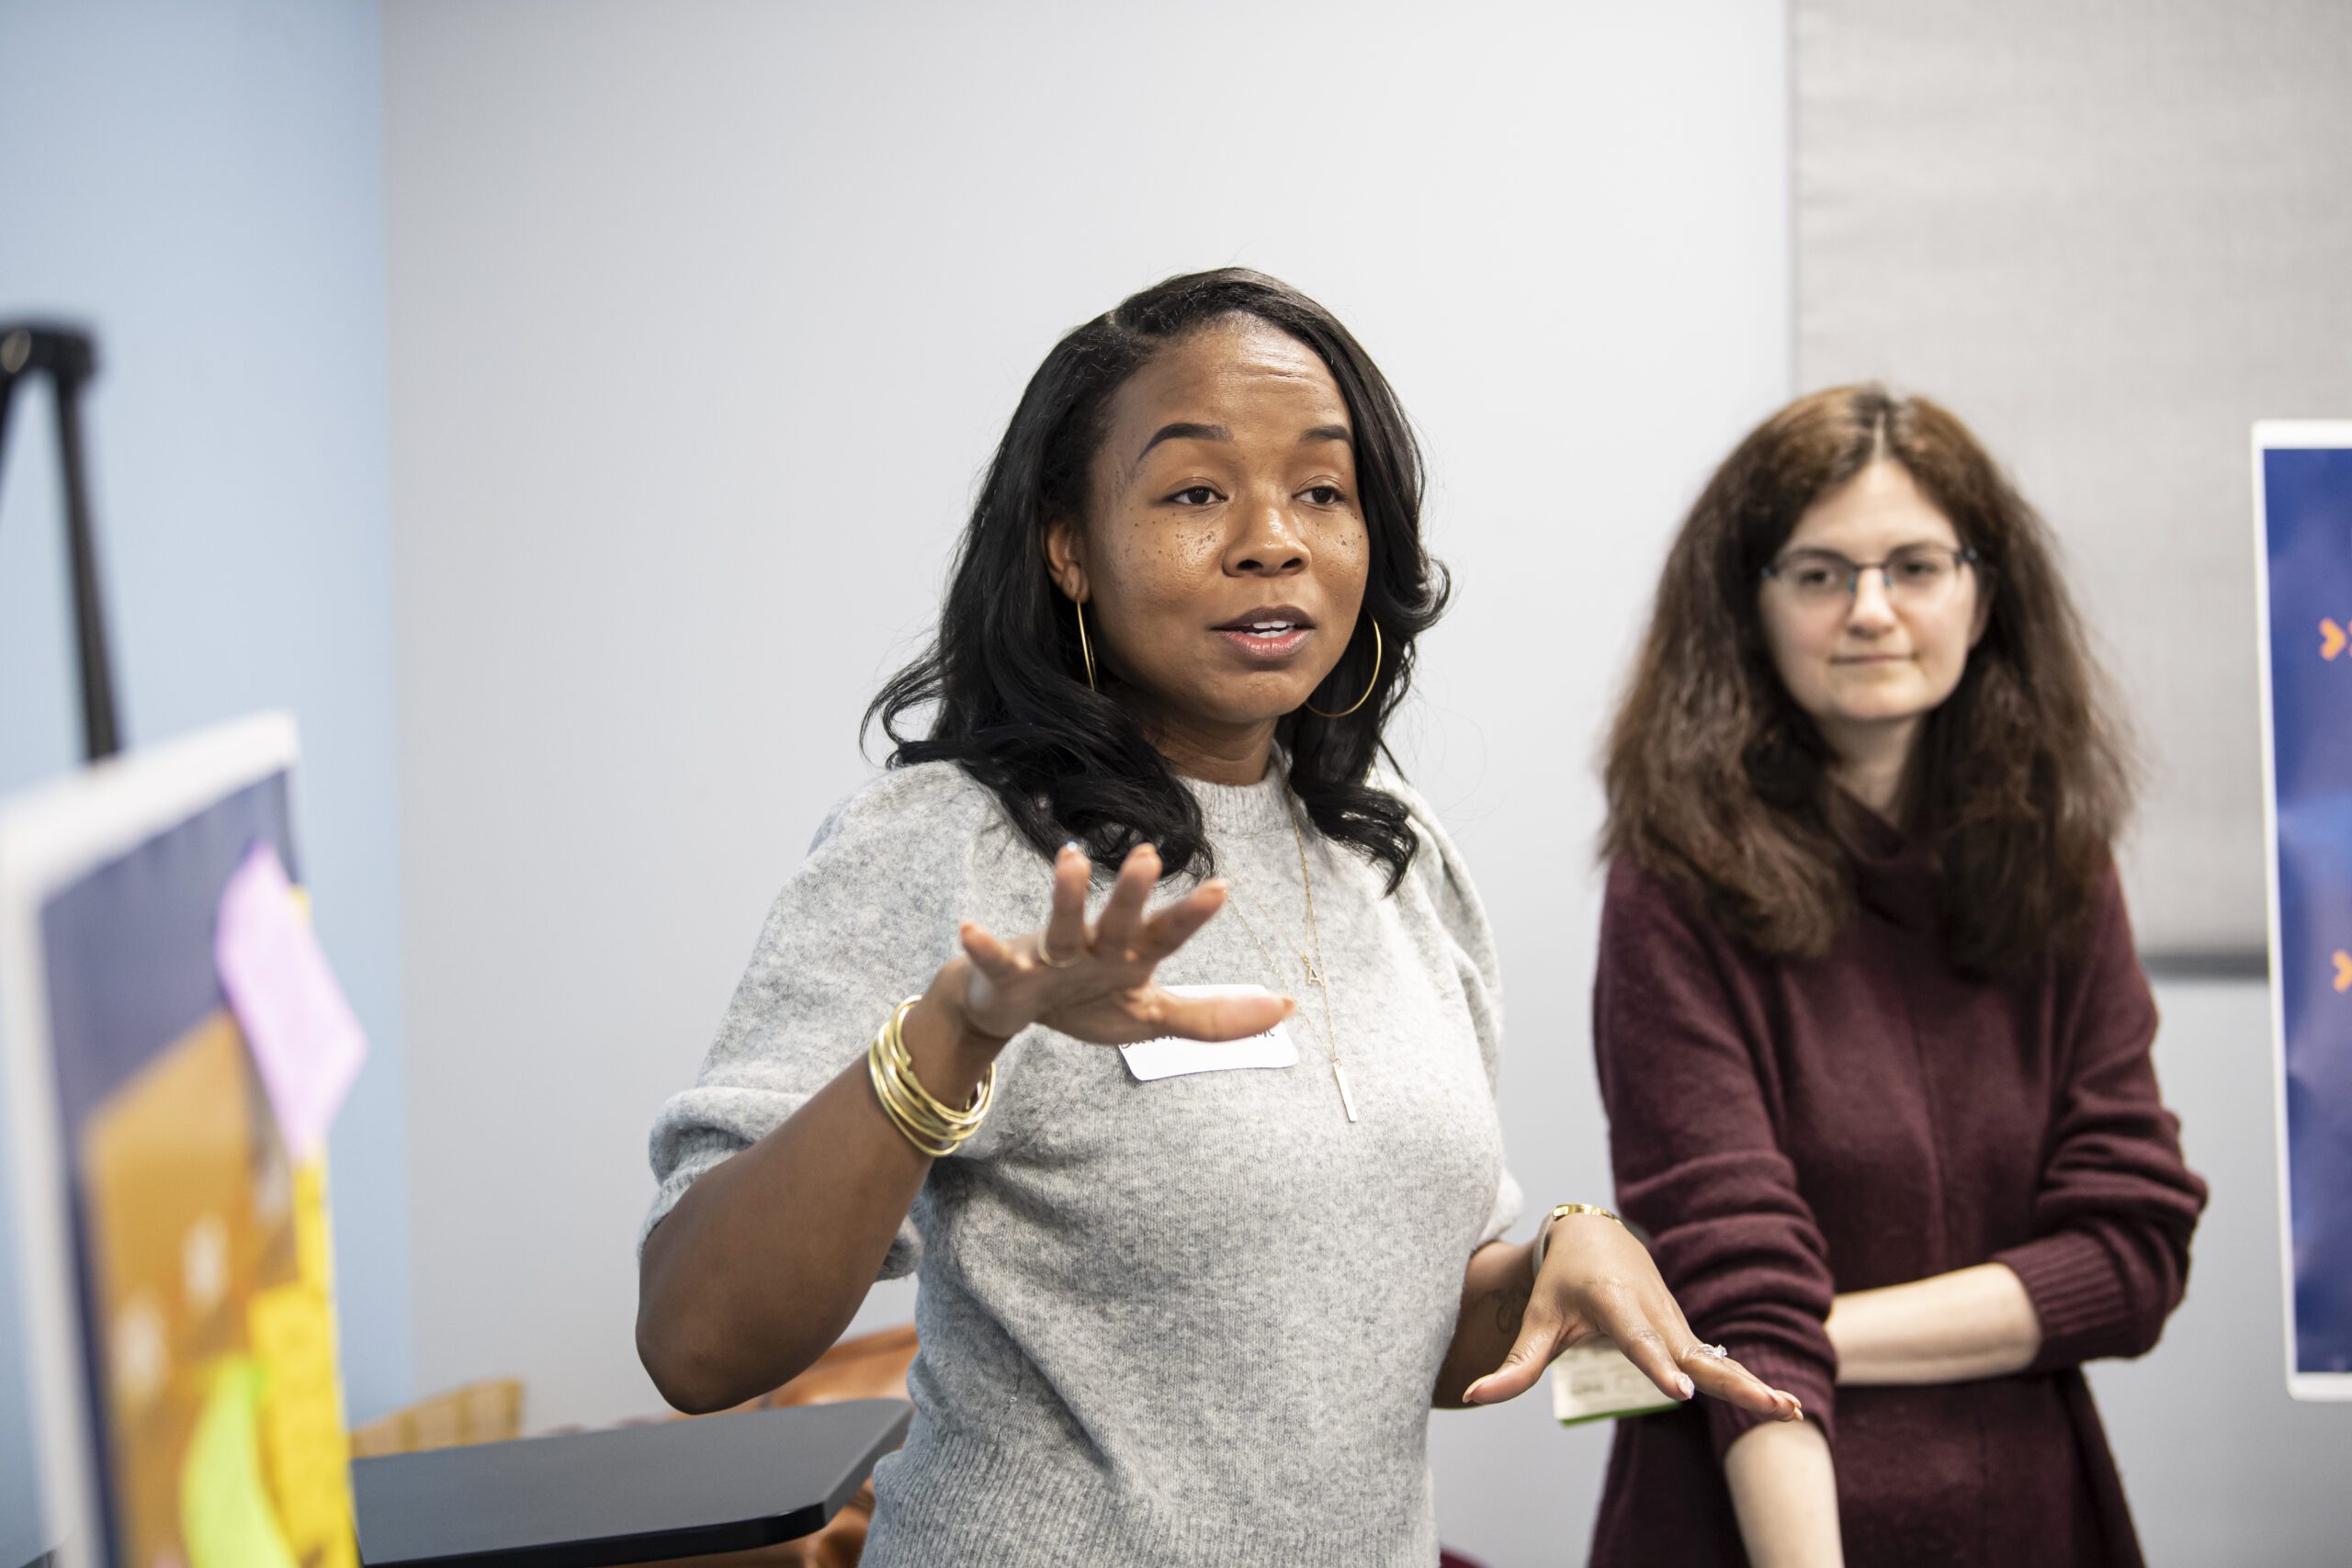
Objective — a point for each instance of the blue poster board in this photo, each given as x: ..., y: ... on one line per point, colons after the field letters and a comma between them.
x: 2302, y: 486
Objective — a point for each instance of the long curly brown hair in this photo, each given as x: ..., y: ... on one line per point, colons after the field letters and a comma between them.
x: 1717, y: 779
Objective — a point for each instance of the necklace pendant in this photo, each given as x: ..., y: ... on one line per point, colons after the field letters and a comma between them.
x: 1314, y: 975
x: 1347, y: 1100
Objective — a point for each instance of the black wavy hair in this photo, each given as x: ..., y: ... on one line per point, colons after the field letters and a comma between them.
x: 1013, y: 707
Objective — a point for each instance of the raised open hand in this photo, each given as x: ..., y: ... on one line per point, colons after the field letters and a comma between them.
x: 1092, y: 980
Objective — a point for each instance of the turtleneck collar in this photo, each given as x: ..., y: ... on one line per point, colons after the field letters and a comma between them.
x: 1895, y: 874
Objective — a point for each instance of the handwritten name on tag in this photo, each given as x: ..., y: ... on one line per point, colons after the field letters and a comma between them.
x: 1169, y: 1058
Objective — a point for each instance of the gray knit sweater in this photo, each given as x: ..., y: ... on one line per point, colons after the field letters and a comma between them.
x: 1184, y: 1321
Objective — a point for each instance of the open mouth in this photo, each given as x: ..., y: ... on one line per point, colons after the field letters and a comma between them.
x: 1266, y: 630
x: 1271, y: 633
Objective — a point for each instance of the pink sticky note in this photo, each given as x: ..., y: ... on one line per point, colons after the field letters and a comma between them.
x: 304, y: 1038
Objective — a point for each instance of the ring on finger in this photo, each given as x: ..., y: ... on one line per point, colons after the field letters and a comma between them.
x: 1712, y: 1352
x: 1049, y: 959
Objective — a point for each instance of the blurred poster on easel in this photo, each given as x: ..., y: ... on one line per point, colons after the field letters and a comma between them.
x: 174, y: 1049
x: 2302, y: 489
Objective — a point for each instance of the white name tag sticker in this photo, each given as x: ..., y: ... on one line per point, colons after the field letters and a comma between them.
x: 1169, y: 1058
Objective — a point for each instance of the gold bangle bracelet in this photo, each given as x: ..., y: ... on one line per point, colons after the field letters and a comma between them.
x: 890, y: 1089
x: 894, y: 1042
x: 926, y: 1144
x: 931, y: 1113
x: 933, y: 1128
x: 927, y: 1132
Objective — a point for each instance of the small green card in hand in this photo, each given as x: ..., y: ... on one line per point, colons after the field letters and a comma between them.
x: 1593, y: 1382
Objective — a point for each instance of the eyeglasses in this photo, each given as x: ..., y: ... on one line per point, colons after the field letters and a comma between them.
x: 1916, y: 576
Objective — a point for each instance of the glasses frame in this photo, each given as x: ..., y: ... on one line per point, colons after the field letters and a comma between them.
x: 1962, y: 556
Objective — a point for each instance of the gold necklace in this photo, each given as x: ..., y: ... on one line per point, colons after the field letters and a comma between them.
x: 1312, y: 964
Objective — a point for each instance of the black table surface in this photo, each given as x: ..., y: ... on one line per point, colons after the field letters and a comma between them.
x: 631, y: 1495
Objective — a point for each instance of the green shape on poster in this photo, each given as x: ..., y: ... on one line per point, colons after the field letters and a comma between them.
x: 226, y: 1520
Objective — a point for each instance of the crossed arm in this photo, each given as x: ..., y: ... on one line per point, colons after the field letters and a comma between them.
x: 1957, y: 1327
x: 2106, y: 1263
x: 1972, y: 1323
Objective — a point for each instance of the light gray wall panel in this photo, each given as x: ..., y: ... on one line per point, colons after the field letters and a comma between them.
x: 2109, y: 236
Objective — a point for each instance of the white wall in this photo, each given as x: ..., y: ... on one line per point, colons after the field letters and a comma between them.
x: 202, y: 184
x: 704, y: 320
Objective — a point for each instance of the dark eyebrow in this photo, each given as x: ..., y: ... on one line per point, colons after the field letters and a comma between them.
x: 1898, y: 549
x: 1190, y: 432
x: 1185, y: 433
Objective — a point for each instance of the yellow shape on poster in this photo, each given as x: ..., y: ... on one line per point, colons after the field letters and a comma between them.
x: 292, y: 1329
x: 313, y: 1248
x: 225, y: 1518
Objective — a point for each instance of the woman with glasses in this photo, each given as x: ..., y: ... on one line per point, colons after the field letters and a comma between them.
x: 1871, y: 1030
x: 1195, y: 1262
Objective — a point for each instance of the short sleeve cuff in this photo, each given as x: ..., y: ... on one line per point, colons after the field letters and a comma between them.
x: 1509, y: 1202
x: 1809, y: 1380
x: 665, y: 1198
x: 2075, y: 1292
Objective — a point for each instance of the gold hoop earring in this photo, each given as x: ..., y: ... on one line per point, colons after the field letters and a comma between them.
x: 1085, y: 647
x: 1377, y: 651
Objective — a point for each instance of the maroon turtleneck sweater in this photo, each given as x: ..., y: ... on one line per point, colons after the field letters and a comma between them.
x: 1788, y: 1130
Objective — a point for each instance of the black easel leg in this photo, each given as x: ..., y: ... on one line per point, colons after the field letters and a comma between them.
x: 99, y: 729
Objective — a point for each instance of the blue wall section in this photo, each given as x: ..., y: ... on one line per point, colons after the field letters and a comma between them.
x: 203, y: 185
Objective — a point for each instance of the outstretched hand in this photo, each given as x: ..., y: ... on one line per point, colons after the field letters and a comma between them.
x: 1598, y: 1280
x: 1092, y: 980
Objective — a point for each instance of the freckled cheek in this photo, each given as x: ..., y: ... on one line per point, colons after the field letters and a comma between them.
x: 1166, y: 576
x: 1343, y: 563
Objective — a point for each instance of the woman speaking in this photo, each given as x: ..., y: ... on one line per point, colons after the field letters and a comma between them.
x: 1205, y: 1207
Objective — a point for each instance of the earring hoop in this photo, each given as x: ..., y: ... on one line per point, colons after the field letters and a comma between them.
x: 1085, y: 647
x: 1377, y: 651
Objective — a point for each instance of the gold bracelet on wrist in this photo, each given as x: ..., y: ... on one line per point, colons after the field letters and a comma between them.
x: 931, y: 1126
x: 1561, y: 1212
